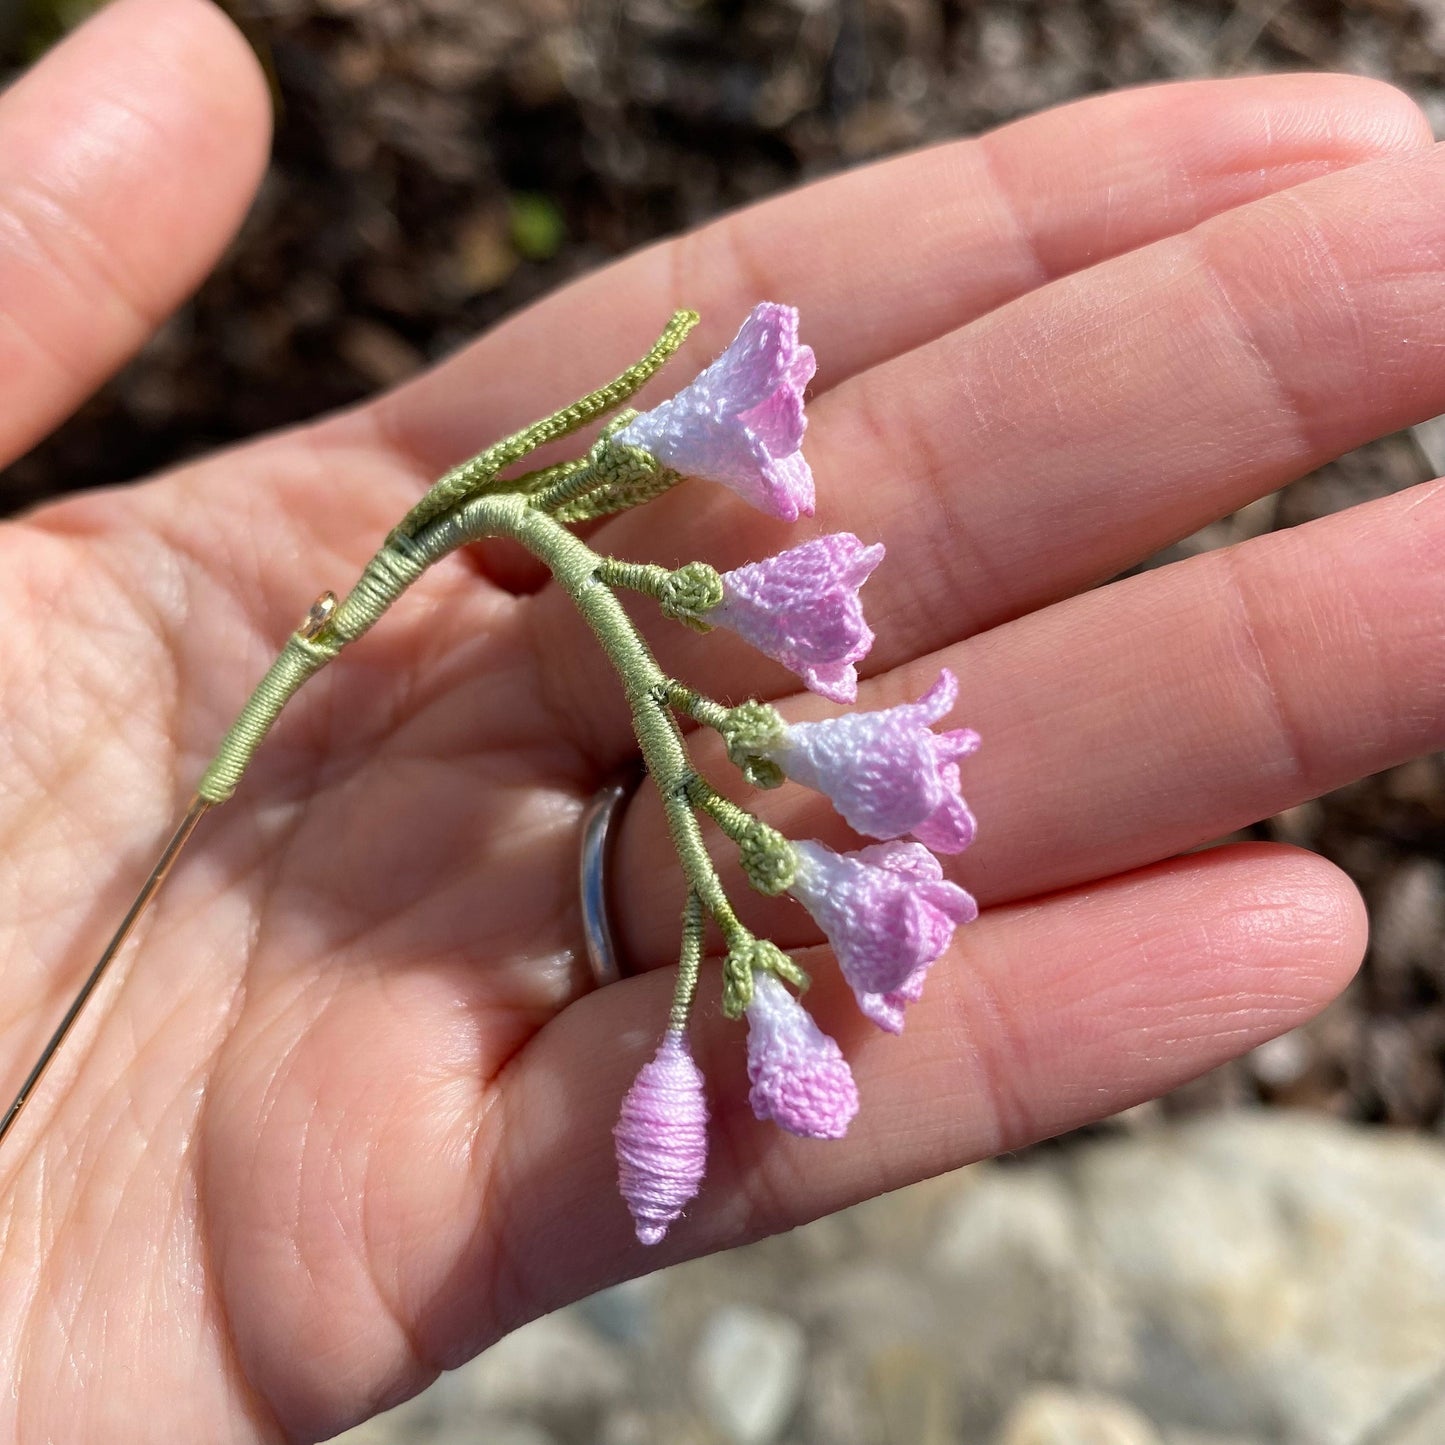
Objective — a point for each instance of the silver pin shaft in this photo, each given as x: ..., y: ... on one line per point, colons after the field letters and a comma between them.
x: 149, y: 889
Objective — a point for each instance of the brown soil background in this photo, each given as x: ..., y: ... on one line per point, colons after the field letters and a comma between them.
x: 439, y: 163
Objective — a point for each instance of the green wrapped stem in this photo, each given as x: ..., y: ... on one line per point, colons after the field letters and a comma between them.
x: 645, y: 577
x: 577, y: 569
x: 689, y: 962
x: 384, y: 579
x: 693, y: 704
x: 299, y: 660
x: 482, y: 470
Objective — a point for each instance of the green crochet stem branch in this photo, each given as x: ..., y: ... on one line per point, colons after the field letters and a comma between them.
x: 736, y: 822
x: 695, y: 705
x: 689, y: 962
x: 473, y: 502
x: 644, y: 577
x: 769, y: 860
x: 539, y: 481
x: 579, y: 570
x: 483, y: 470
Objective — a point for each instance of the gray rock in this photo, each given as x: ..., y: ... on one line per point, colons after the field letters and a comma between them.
x: 1264, y: 1274
x: 494, y: 1432
x: 1183, y: 1435
x: 1008, y: 1262
x: 748, y: 1373
x: 556, y: 1363
x: 881, y: 1365
x: 383, y: 1430
x: 1407, y: 935
x: 1055, y: 1416
x: 914, y: 1393
x: 1282, y: 1061
x: 625, y: 1313
x: 1255, y: 1276
x: 1417, y: 1420
x: 838, y: 1402
x: 431, y: 1419
x: 869, y: 1304
x: 1255, y: 1279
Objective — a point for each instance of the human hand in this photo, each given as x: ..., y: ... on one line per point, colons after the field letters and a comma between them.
x: 344, y: 1116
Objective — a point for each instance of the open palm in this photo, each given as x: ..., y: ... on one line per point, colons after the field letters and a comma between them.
x: 343, y: 1115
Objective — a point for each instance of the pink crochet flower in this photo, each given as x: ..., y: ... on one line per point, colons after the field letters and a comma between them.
x: 886, y: 910
x: 887, y: 772
x: 801, y: 608
x: 661, y: 1138
x: 741, y: 421
x: 886, y: 1009
x: 800, y: 1078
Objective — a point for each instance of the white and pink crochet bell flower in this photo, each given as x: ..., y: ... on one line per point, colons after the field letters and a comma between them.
x: 741, y: 421
x: 801, y: 608
x: 888, y: 773
x: 888, y: 913
x: 886, y: 909
x: 886, y: 1009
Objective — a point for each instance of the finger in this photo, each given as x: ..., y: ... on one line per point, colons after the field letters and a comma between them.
x: 1044, y: 1016
x: 127, y: 159
x: 891, y: 255
x: 1148, y: 717
x: 1073, y: 433
x: 1081, y: 183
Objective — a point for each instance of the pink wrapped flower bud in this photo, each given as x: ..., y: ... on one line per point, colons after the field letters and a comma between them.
x: 741, y: 421
x: 800, y: 1078
x: 801, y: 608
x: 661, y: 1138
x: 888, y: 914
x: 887, y: 772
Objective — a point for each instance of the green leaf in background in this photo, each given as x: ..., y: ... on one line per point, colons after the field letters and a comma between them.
x: 538, y: 230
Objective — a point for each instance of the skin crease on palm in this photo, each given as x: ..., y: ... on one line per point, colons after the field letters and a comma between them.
x: 342, y: 1116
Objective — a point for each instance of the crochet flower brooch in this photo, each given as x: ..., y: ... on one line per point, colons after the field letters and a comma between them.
x: 886, y: 909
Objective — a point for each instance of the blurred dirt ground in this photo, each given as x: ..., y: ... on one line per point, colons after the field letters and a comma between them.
x: 439, y: 163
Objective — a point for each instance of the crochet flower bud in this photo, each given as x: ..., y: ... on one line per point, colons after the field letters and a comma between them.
x: 801, y: 608
x: 888, y: 914
x: 800, y: 1079
x: 887, y: 772
x: 661, y: 1138
x: 741, y: 421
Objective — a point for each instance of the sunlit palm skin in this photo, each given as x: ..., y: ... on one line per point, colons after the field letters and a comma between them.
x: 342, y: 1117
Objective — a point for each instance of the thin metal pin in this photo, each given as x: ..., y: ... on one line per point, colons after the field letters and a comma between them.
x: 149, y: 889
